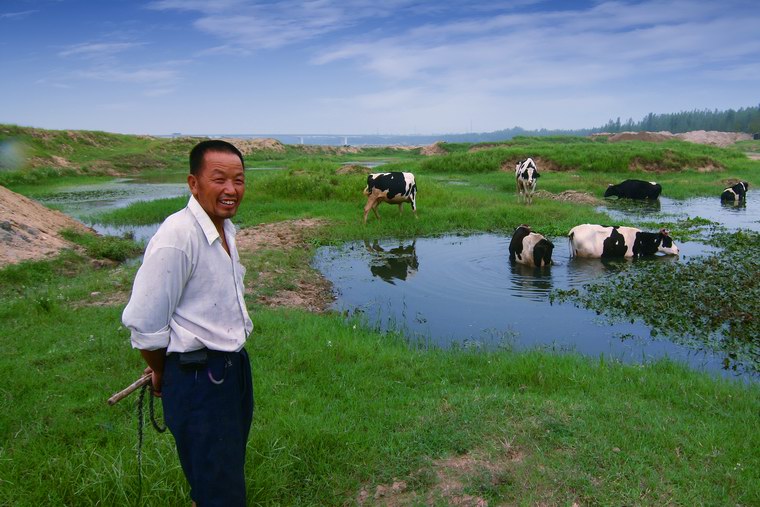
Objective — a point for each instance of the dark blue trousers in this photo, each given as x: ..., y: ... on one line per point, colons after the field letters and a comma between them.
x: 209, y: 410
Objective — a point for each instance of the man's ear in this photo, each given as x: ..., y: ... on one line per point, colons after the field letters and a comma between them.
x: 192, y: 182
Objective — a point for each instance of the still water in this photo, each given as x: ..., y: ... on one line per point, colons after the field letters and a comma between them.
x: 463, y: 291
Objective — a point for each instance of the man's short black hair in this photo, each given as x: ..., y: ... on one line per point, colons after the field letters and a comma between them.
x: 200, y: 150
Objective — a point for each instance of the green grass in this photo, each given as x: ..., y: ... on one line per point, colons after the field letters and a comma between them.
x: 340, y: 407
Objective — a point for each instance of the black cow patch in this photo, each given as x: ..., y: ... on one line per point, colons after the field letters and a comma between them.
x: 647, y: 243
x: 614, y: 245
x: 393, y: 182
x: 516, y: 245
x: 542, y: 253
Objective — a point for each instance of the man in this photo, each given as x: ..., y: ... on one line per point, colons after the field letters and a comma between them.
x: 189, y: 321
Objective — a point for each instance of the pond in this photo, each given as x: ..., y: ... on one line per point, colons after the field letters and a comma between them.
x: 463, y: 291
x: 84, y: 202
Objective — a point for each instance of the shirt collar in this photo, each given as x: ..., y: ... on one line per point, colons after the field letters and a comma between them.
x: 209, y: 229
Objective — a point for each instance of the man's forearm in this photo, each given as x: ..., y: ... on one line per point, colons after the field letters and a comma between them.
x: 155, y: 359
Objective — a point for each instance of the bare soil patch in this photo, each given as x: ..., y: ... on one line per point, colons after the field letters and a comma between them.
x: 247, y: 146
x: 711, y: 137
x: 312, y: 291
x: 29, y: 230
x: 570, y: 196
x: 542, y: 164
x: 450, y: 477
x: 433, y: 149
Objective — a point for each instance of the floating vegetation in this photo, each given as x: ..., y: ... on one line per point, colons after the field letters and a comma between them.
x: 709, y: 301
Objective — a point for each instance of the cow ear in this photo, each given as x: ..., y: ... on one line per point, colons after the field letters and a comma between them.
x: 536, y: 175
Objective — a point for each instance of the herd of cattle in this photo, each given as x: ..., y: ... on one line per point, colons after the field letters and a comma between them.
x: 533, y: 249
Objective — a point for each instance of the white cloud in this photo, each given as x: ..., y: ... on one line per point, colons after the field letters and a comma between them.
x: 98, y: 49
x: 16, y: 15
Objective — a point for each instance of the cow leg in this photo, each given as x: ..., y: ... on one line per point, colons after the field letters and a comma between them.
x: 374, y: 209
x: 400, y: 207
x: 369, y: 206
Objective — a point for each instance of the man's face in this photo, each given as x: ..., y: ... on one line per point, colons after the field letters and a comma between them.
x: 219, y: 185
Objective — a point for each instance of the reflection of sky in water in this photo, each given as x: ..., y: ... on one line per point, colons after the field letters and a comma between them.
x: 744, y: 216
x: 83, y: 202
x: 464, y: 290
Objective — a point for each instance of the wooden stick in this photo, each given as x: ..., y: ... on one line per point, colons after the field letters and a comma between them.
x: 137, y: 384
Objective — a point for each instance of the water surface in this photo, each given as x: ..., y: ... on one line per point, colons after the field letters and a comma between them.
x: 463, y: 291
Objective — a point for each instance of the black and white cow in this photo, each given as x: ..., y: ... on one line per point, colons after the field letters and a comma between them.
x: 735, y: 193
x: 603, y: 241
x: 634, y: 189
x: 530, y: 248
x: 393, y: 188
x: 526, y: 174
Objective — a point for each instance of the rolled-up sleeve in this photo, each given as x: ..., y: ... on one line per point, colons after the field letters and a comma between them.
x: 156, y: 292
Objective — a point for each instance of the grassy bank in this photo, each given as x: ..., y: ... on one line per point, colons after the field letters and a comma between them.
x: 341, y: 408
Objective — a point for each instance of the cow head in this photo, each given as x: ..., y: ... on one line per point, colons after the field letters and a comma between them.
x: 666, y: 243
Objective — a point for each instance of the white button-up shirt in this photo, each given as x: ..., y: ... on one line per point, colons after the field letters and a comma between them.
x: 188, y: 293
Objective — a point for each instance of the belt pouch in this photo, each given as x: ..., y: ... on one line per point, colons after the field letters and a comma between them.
x: 194, y: 359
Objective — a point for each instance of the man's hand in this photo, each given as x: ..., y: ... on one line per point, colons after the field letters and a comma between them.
x: 156, y: 380
x: 155, y: 360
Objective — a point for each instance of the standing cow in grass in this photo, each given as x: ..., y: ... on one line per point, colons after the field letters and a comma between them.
x: 393, y: 188
x: 530, y: 248
x: 526, y: 176
x: 601, y: 241
x: 736, y: 193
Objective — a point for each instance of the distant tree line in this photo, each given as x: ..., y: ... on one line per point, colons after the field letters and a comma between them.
x: 746, y: 119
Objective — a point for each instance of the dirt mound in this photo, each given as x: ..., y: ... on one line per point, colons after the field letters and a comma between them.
x: 713, y: 137
x: 542, y: 164
x: 353, y: 169
x: 655, y: 137
x: 433, y: 149
x: 247, y: 146
x: 29, y: 230
x: 312, y: 291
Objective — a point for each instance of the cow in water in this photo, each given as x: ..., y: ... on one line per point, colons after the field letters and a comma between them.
x: 530, y: 248
x: 736, y: 193
x: 634, y: 189
x: 526, y: 176
x: 393, y: 188
x: 601, y: 241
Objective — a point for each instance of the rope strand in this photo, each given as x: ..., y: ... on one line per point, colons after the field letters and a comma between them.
x: 140, y: 432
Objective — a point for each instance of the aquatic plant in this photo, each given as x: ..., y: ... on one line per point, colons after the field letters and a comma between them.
x: 712, y: 301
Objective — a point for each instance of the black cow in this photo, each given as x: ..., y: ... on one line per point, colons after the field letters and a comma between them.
x: 735, y: 193
x: 530, y: 248
x: 393, y: 188
x: 634, y: 189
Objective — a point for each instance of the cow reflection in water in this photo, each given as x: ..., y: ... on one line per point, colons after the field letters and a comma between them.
x: 397, y: 263
x: 530, y: 282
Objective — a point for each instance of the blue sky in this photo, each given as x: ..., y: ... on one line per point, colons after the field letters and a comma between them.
x: 369, y: 66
